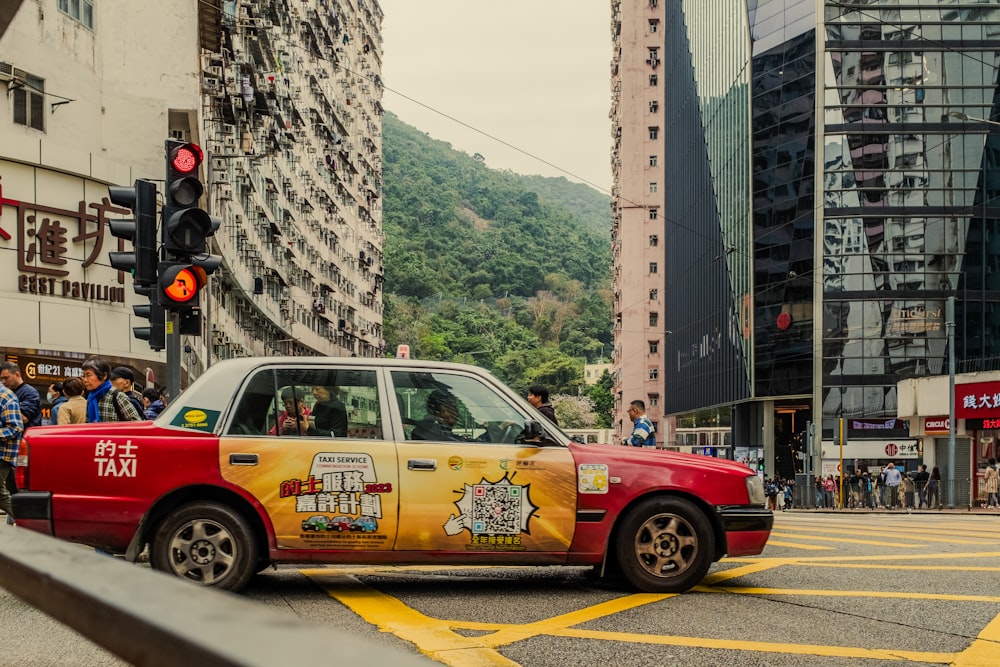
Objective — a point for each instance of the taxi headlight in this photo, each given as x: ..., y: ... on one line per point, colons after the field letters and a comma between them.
x: 755, y: 490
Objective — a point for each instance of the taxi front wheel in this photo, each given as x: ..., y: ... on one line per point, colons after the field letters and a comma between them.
x: 665, y: 545
x: 205, y: 543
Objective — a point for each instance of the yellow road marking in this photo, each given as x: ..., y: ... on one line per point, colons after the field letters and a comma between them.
x: 806, y: 533
x: 982, y: 652
x: 550, y: 625
x: 939, y: 568
x: 905, y: 595
x: 746, y: 645
x: 432, y: 637
x: 848, y: 540
x: 880, y: 557
x: 793, y: 545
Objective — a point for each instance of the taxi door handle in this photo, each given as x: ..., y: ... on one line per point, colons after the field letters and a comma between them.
x: 243, y: 459
x: 421, y: 464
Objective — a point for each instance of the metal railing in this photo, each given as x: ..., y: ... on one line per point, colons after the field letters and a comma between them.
x: 152, y: 619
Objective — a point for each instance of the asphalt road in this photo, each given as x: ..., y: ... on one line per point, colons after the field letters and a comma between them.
x: 830, y: 589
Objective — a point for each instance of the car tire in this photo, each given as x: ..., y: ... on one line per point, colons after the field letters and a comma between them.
x: 207, y: 544
x: 665, y: 545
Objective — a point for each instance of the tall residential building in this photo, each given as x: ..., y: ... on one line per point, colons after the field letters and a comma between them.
x: 801, y: 289
x: 637, y: 233
x: 285, y: 99
x: 292, y: 116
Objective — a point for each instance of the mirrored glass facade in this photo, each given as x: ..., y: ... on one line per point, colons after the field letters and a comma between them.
x: 901, y: 100
x: 909, y: 203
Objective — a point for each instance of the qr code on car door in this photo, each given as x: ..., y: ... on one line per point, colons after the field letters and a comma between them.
x: 496, y: 509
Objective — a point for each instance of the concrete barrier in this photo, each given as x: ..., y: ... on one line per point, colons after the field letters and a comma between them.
x: 151, y: 619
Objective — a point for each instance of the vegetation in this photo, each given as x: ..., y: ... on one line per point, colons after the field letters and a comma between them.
x: 482, y: 266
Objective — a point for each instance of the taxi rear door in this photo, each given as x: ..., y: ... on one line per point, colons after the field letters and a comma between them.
x: 308, y: 444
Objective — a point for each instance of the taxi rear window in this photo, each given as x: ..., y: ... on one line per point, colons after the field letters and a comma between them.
x: 313, y: 402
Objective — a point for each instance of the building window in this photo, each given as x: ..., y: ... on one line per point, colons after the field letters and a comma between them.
x: 654, y: 25
x: 80, y: 10
x: 654, y: 347
x: 654, y: 319
x: 652, y: 187
x: 652, y: 400
x: 654, y: 373
x: 654, y: 106
x: 654, y: 80
x: 652, y: 267
x: 653, y: 214
x: 654, y: 294
x: 653, y: 160
x: 654, y: 240
x: 654, y: 133
x: 29, y: 103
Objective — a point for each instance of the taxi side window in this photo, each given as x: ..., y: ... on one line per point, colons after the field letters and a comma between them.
x: 443, y: 407
x: 250, y: 416
x: 310, y: 402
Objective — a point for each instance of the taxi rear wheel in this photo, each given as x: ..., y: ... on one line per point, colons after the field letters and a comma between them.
x: 205, y: 543
x: 665, y: 545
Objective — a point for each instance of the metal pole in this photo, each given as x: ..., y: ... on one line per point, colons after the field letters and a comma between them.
x: 173, y: 354
x: 949, y: 314
x: 840, y: 468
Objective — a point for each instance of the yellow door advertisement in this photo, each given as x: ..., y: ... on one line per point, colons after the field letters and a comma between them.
x: 319, y: 493
x: 486, y: 497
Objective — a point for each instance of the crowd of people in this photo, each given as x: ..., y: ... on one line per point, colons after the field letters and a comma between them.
x: 110, y: 396
x: 890, y: 488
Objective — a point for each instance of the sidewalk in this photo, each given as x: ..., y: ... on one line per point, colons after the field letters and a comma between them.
x: 882, y: 510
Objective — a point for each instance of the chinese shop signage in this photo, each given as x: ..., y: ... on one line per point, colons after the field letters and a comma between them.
x: 977, y: 400
x: 45, y: 235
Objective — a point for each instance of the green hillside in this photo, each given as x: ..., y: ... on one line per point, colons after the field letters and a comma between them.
x: 489, y: 267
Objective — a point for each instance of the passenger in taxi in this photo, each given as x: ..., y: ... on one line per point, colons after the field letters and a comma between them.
x: 294, y: 419
x: 329, y: 414
x: 442, y: 414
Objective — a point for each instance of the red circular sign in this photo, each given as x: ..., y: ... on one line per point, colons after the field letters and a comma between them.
x: 891, y: 449
x: 184, y: 288
x: 784, y: 321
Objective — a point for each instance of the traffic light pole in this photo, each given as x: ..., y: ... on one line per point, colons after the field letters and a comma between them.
x: 173, y: 354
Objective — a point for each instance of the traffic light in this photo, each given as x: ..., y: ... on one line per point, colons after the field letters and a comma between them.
x: 156, y: 332
x: 184, y: 231
x: 141, y: 231
x: 142, y: 261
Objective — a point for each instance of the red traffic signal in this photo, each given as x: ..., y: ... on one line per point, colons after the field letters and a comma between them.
x: 185, y: 158
x: 179, y: 284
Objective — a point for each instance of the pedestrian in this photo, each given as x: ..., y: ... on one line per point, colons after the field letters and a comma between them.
x: 152, y: 405
x: 771, y: 491
x: 56, y: 397
x: 818, y: 484
x: 934, y: 488
x: 643, y: 433
x: 893, y: 479
x: 104, y: 402
x: 920, y: 481
x: 11, y: 430
x: 908, y: 489
x: 538, y: 396
x: 991, y: 482
x: 30, y: 405
x: 123, y: 380
x: 829, y: 488
x: 74, y: 410
x: 789, y: 487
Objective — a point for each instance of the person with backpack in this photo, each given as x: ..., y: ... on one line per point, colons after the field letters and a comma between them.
x: 123, y: 380
x: 104, y: 402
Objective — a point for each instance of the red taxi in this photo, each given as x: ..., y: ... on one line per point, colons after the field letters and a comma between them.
x: 423, y: 461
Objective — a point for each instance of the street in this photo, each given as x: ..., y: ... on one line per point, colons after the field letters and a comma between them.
x: 831, y: 589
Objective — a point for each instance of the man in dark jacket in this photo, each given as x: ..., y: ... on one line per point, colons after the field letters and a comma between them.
x: 30, y: 403
x: 538, y: 396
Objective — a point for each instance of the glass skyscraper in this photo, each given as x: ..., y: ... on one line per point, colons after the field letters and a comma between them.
x: 805, y: 289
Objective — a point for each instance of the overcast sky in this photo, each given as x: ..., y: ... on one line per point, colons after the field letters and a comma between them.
x: 532, y: 73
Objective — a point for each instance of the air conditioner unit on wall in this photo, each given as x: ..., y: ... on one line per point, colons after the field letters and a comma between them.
x: 6, y: 71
